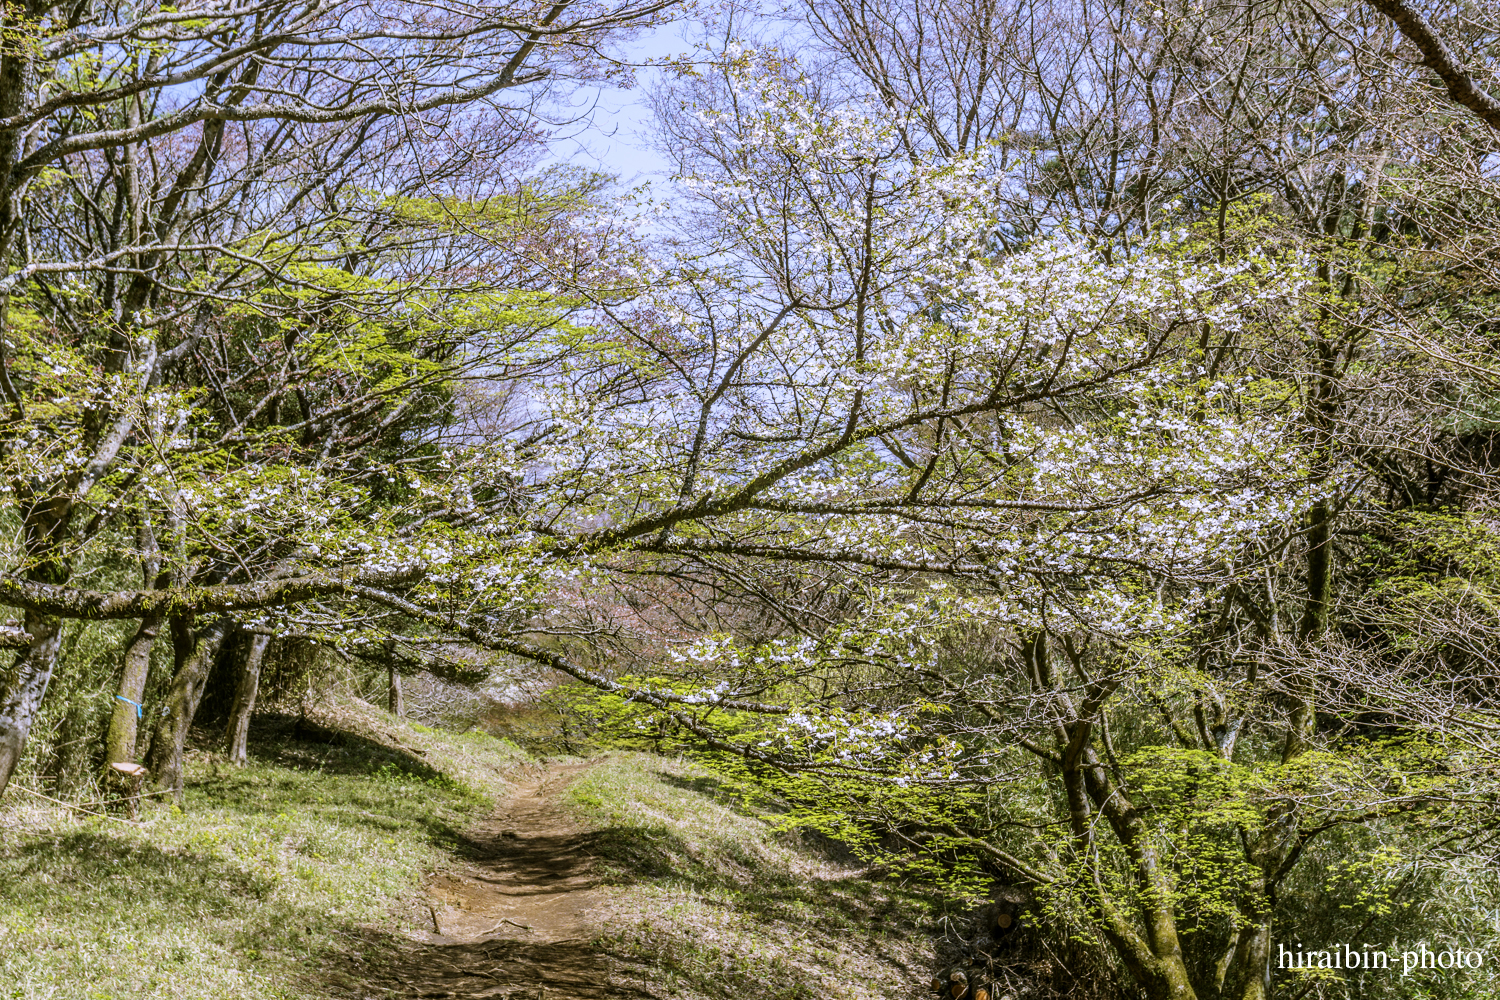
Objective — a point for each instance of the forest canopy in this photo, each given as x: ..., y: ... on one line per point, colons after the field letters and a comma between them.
x: 1047, y: 445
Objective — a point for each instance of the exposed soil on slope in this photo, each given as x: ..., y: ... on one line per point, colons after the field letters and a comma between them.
x: 515, y: 919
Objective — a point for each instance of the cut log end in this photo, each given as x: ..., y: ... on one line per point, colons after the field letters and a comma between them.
x: 127, y: 778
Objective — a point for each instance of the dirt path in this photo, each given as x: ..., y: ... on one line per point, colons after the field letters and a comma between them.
x: 515, y: 920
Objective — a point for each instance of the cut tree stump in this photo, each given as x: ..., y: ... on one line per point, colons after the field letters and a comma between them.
x: 125, y: 779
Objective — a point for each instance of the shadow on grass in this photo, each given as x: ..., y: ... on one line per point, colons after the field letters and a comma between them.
x: 763, y: 899
x: 118, y: 906
x: 645, y: 855
x: 88, y: 868
x: 300, y: 744
x: 710, y: 787
x: 292, y: 761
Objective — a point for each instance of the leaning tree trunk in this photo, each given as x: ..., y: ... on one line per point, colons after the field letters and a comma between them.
x: 125, y: 722
x: 237, y: 732
x: 22, y: 688
x: 182, y: 704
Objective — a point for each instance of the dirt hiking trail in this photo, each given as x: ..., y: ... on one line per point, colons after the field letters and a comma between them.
x: 516, y: 916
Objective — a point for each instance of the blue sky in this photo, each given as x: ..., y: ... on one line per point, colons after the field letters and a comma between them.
x: 612, y: 130
x: 613, y: 126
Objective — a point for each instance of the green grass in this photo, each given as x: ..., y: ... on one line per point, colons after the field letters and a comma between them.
x: 260, y: 885
x: 719, y: 904
x: 286, y: 878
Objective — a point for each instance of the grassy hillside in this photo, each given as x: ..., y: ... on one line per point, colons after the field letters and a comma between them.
x: 718, y: 904
x: 296, y: 876
x: 269, y: 872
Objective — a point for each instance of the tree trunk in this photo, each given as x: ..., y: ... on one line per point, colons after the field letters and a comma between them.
x: 23, y: 688
x: 237, y: 732
x: 1250, y: 977
x: 396, y: 705
x: 182, y: 704
x: 1147, y: 940
x: 124, y: 723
